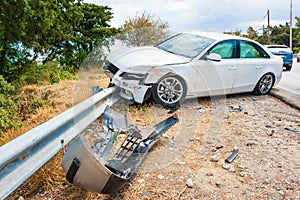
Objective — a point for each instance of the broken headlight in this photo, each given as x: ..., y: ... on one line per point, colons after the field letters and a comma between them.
x: 133, y: 76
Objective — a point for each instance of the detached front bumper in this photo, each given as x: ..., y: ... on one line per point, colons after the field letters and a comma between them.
x: 131, y: 90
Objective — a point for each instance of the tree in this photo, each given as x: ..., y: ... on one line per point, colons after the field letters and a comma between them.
x: 251, y: 33
x: 62, y: 30
x: 86, y: 33
x: 11, y: 28
x: 237, y: 32
x: 280, y: 34
x: 296, y: 33
x: 143, y: 30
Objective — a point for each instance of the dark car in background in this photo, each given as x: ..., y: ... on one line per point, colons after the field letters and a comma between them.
x: 283, y: 51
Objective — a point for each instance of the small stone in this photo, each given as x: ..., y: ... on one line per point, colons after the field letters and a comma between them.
x: 218, y: 183
x: 226, y: 166
x: 145, y: 193
x: 267, y: 181
x: 250, y: 143
x: 140, y: 180
x: 219, y: 146
x: 269, y: 126
x: 195, y: 140
x: 181, y: 162
x: 235, y: 148
x: 21, y: 198
x: 189, y: 183
x: 209, y: 174
x: 160, y: 176
x: 214, y: 158
x: 231, y: 168
x: 139, y: 120
x: 271, y: 134
x: 226, y: 117
x: 281, y: 192
x: 243, y: 174
x: 273, y: 131
x: 241, y: 167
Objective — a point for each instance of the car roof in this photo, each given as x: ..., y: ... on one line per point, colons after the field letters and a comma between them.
x: 276, y: 46
x: 219, y: 36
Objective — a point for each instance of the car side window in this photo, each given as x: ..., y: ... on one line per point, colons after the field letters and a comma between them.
x: 251, y: 50
x: 226, y: 49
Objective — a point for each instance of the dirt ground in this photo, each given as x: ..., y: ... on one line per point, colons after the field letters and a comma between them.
x: 188, y: 162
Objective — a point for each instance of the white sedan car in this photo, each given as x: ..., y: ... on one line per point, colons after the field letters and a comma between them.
x: 191, y: 65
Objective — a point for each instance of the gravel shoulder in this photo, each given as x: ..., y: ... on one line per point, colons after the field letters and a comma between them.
x: 188, y: 162
x: 266, y: 133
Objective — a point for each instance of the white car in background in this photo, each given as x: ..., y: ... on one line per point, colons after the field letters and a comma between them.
x: 298, y: 57
x: 191, y: 65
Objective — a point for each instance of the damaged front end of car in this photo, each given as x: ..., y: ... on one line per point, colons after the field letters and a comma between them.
x: 106, y: 167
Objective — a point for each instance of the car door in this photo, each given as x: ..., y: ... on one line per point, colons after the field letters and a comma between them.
x: 217, y: 77
x: 252, y: 62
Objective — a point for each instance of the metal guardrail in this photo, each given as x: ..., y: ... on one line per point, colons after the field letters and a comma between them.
x: 23, y: 156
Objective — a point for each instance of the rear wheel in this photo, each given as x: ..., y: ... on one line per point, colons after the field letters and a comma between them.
x: 169, y: 91
x: 288, y: 68
x: 264, y: 84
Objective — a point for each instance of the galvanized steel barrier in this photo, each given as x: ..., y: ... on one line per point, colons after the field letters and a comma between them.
x: 23, y: 156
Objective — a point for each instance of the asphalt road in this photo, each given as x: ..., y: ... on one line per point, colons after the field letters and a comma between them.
x: 288, y: 88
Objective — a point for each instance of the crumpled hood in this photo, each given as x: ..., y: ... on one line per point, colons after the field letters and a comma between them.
x: 144, y: 56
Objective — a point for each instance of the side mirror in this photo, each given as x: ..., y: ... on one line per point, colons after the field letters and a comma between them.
x: 214, y: 57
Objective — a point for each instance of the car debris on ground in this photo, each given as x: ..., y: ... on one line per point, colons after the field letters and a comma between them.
x: 99, y: 169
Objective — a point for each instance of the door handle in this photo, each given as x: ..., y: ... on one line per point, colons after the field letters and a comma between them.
x: 232, y: 68
x: 258, y: 66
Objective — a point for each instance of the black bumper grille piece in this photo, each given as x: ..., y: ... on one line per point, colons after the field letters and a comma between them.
x: 112, y: 68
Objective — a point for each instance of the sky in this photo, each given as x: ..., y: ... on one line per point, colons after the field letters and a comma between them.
x: 205, y: 15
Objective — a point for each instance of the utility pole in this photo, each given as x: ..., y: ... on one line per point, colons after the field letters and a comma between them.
x: 291, y: 25
x: 268, y: 13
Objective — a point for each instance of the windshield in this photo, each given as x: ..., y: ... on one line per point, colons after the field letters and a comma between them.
x: 187, y: 45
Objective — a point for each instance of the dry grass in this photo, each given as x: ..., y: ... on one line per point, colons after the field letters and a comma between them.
x: 50, y: 179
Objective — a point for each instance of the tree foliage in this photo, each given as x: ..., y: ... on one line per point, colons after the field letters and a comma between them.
x: 278, y: 35
x: 143, y: 30
x: 8, y: 106
x: 237, y: 32
x: 64, y: 31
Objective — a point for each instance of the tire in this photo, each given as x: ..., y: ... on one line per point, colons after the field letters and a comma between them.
x: 264, y: 84
x: 288, y: 68
x: 169, y: 91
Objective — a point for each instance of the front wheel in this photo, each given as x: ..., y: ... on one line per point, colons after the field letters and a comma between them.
x: 264, y: 84
x: 169, y: 91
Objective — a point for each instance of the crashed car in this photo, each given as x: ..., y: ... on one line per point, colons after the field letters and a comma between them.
x: 284, y: 52
x: 190, y: 65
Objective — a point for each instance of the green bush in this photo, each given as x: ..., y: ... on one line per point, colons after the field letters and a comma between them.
x: 48, y: 73
x: 9, y: 107
x: 36, y: 103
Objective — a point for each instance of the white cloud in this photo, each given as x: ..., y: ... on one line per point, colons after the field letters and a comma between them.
x: 203, y: 15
